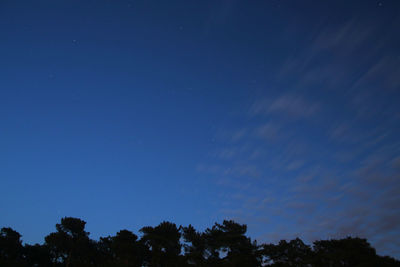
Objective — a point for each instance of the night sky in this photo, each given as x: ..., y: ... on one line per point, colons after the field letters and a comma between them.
x: 283, y: 115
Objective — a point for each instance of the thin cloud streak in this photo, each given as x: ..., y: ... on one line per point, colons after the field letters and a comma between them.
x: 290, y: 105
x: 327, y: 143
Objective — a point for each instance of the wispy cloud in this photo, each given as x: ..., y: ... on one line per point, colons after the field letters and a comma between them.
x: 343, y: 177
x: 289, y: 104
x: 267, y: 131
x: 344, y: 39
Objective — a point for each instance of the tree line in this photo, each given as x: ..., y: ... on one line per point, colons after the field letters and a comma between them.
x: 169, y: 245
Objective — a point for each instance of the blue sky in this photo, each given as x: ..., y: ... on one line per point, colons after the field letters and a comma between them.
x: 283, y: 115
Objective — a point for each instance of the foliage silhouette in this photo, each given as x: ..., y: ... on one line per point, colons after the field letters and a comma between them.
x: 167, y: 245
x: 163, y: 242
x: 292, y: 253
x: 71, y: 244
x: 11, y: 249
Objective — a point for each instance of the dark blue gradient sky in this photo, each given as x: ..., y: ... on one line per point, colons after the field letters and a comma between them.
x: 280, y: 114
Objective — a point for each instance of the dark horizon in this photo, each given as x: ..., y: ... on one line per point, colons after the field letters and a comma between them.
x: 170, y: 245
x: 281, y: 115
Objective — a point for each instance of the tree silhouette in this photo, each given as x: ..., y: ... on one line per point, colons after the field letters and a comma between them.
x: 223, y: 244
x: 37, y: 255
x: 229, y: 238
x: 126, y: 250
x: 70, y: 244
x: 195, y: 246
x: 292, y: 253
x: 354, y: 252
x: 163, y: 241
x: 105, y: 256
x: 10, y: 248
